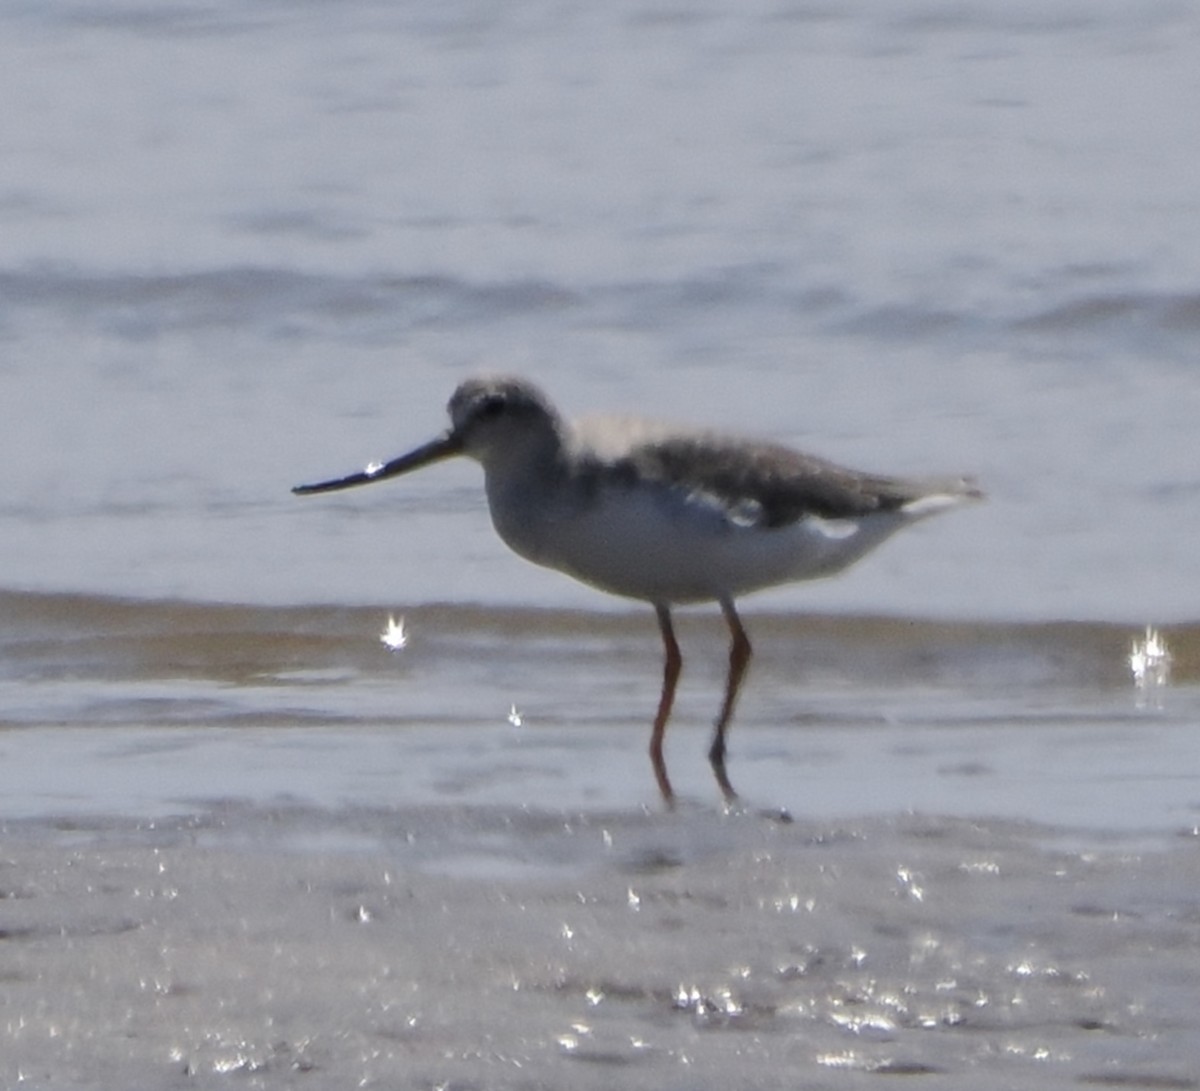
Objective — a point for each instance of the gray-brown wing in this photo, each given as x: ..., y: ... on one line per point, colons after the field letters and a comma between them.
x: 768, y: 484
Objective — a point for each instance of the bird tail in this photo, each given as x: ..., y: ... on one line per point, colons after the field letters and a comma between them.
x: 943, y: 494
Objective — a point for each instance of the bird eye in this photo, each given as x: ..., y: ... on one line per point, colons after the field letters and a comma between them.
x: 490, y: 407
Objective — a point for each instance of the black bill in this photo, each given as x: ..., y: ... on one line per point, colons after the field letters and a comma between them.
x: 443, y: 447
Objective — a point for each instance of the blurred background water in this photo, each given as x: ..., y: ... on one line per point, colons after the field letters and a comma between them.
x: 245, y: 245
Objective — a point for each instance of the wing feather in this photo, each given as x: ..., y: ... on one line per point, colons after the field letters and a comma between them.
x: 775, y: 484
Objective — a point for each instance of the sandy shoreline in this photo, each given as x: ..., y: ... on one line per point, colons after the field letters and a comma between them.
x: 295, y: 947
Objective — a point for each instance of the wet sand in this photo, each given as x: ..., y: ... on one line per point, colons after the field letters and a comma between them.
x: 456, y: 947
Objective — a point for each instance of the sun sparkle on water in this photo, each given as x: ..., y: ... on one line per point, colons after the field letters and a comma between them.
x: 1150, y: 662
x: 393, y: 634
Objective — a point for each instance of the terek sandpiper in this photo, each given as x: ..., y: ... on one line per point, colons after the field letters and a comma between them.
x: 665, y: 515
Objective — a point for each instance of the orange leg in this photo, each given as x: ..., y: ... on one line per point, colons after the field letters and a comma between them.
x: 671, y: 667
x: 739, y: 658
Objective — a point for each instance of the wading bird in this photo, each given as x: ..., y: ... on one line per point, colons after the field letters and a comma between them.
x: 665, y: 515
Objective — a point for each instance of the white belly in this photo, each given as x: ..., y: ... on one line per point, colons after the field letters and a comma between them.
x: 659, y: 546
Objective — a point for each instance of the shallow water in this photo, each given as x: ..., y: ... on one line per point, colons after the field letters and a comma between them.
x: 242, y: 842
x: 111, y: 705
